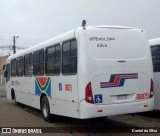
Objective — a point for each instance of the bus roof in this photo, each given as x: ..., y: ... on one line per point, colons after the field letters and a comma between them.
x: 66, y: 36
x: 155, y: 41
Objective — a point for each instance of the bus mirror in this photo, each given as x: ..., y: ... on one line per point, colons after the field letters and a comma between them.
x: 4, y: 67
x: 5, y: 74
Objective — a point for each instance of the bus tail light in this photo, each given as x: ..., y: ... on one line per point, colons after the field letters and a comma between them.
x: 151, y: 89
x: 89, y: 96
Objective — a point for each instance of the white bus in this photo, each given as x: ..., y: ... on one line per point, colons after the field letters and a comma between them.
x: 88, y: 72
x: 155, y: 50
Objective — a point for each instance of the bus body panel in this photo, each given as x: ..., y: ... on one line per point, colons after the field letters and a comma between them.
x: 64, y: 108
x: 117, y: 63
x: 64, y: 96
x: 125, y: 87
x: 93, y: 111
x: 62, y: 101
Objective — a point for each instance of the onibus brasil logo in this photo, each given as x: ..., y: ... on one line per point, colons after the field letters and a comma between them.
x: 43, y: 84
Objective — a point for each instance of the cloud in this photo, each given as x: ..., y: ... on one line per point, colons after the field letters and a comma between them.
x: 44, y: 19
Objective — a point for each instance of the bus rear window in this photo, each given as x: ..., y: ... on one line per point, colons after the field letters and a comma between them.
x: 13, y: 67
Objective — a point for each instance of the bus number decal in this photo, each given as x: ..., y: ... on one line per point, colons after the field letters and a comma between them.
x: 43, y: 84
x: 142, y: 96
x: 68, y: 87
x: 17, y: 82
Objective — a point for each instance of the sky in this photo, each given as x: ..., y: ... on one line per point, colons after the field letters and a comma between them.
x: 35, y: 21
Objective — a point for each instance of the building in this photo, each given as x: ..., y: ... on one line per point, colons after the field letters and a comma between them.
x: 2, y: 62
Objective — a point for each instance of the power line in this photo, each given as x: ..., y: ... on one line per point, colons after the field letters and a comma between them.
x: 8, y: 43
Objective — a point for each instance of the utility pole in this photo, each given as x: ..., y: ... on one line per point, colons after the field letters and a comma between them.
x: 14, y: 44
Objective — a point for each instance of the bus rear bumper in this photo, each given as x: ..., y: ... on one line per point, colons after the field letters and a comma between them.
x: 92, y: 111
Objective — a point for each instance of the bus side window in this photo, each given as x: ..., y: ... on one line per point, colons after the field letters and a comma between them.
x: 155, y: 50
x: 73, y: 56
x: 53, y: 60
x: 28, y: 65
x: 69, y: 60
x: 20, y: 66
x: 7, y: 72
x: 38, y: 62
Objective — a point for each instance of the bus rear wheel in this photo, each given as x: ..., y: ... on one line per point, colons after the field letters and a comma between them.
x: 45, y: 109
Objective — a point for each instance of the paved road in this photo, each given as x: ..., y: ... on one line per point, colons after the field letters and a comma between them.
x: 12, y: 116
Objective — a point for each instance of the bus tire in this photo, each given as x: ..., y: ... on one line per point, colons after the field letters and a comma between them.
x: 45, y: 109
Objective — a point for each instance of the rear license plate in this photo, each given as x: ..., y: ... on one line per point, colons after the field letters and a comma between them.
x: 122, y: 97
